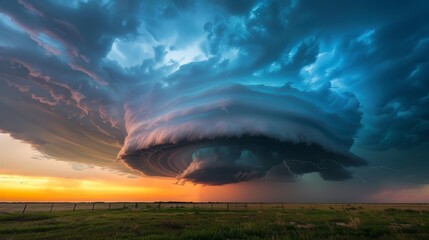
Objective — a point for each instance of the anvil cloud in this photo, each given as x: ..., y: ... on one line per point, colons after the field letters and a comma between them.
x: 216, y: 92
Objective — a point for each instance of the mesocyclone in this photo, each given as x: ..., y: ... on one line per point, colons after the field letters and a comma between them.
x: 227, y: 133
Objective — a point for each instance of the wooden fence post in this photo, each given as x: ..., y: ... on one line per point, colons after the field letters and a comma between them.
x: 123, y: 207
x: 25, y: 207
x: 52, y: 206
x: 93, y: 205
x: 74, y: 208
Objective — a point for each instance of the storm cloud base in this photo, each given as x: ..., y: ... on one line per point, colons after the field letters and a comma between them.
x: 234, y: 159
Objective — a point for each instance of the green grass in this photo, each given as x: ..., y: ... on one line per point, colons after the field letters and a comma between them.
x: 357, y: 223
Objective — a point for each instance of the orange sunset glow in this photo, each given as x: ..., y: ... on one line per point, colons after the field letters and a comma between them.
x: 51, y: 180
x: 24, y: 188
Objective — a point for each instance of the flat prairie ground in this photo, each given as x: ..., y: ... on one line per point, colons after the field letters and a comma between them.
x: 217, y: 221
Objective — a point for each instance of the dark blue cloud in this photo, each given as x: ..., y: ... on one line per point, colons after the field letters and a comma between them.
x: 167, y: 85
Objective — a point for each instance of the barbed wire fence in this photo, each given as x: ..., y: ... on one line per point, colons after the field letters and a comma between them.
x: 49, y: 207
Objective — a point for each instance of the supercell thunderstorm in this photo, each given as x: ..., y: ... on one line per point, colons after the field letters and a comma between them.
x: 215, y: 92
x: 224, y: 134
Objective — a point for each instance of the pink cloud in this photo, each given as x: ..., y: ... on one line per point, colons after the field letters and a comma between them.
x: 403, y: 194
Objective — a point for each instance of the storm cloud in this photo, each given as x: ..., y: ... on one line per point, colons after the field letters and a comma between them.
x: 216, y: 92
x: 213, y: 130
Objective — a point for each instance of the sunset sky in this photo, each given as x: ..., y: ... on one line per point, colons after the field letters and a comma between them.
x: 298, y: 101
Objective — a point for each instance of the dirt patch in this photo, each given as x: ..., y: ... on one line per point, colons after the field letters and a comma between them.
x: 302, y: 225
x: 353, y: 223
x: 342, y: 224
x: 401, y: 225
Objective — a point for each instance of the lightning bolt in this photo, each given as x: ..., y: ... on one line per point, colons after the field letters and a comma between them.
x: 266, y: 176
x: 288, y: 168
x: 361, y: 178
x: 387, y: 168
x: 374, y: 167
x: 312, y: 163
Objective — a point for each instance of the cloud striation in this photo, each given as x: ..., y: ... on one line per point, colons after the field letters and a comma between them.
x: 215, y: 92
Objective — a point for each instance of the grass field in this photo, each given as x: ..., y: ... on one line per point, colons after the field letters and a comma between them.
x: 241, y: 221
